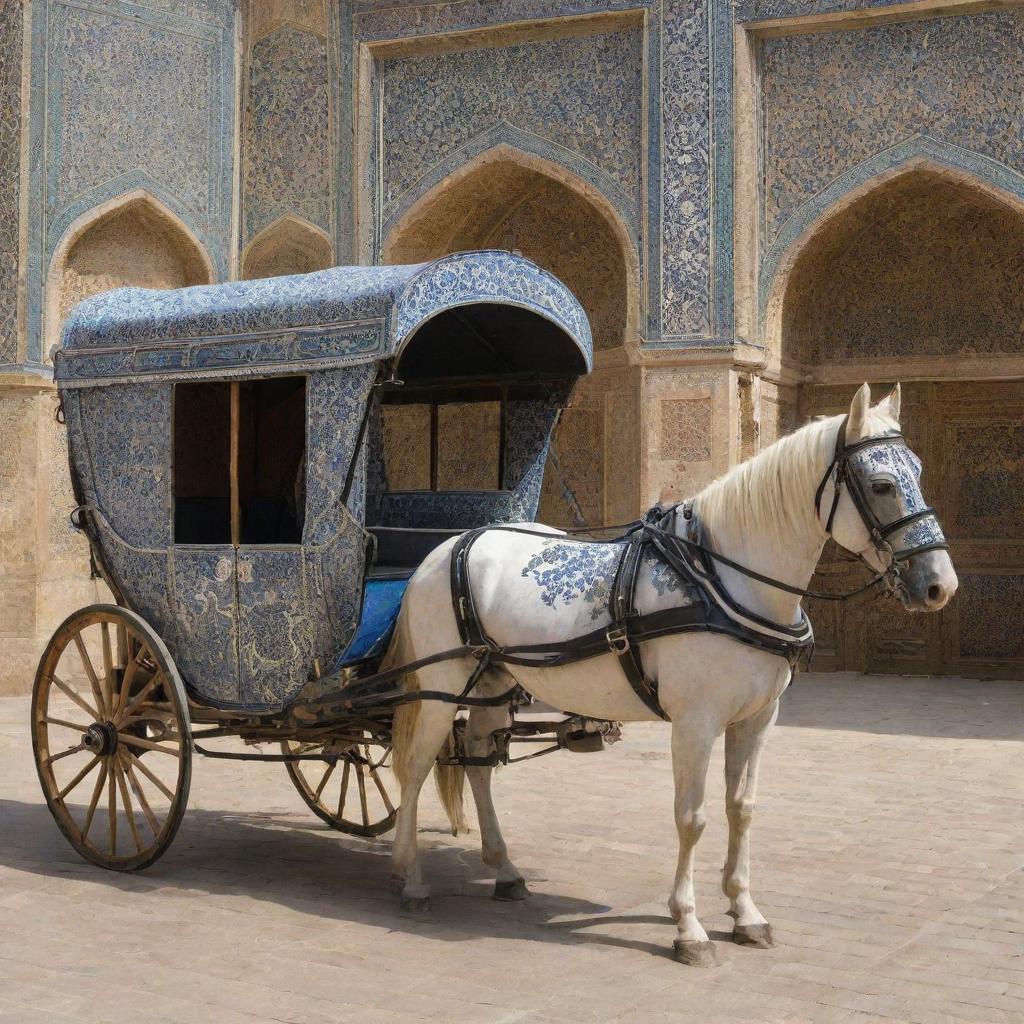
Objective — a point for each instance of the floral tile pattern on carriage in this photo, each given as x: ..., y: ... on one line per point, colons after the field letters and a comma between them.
x: 567, y: 570
x: 465, y: 278
x: 582, y: 93
x: 287, y: 139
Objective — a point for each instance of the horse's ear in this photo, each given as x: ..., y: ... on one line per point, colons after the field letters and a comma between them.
x: 890, y: 405
x: 858, y: 417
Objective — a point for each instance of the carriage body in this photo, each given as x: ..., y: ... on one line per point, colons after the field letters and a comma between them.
x: 234, y: 448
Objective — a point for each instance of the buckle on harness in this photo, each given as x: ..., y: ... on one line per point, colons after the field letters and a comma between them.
x: 618, y: 639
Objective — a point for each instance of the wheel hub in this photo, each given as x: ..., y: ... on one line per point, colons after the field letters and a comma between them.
x: 101, y: 738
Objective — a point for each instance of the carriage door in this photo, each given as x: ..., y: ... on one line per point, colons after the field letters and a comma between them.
x: 203, y: 556
x: 239, y: 507
x: 274, y: 638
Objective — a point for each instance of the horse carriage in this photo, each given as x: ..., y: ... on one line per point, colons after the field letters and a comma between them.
x: 259, y: 467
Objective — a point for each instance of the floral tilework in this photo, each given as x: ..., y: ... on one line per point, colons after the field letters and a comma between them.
x: 686, y: 162
x: 582, y: 93
x: 833, y: 100
x: 110, y: 64
x: 287, y: 166
x: 10, y: 181
x: 686, y: 429
x: 764, y: 10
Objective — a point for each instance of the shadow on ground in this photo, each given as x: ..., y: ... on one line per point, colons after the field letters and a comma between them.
x: 315, y: 871
x: 909, y: 705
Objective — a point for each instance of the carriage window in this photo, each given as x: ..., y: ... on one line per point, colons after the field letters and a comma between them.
x: 202, y: 464
x: 442, y: 446
x: 239, y: 462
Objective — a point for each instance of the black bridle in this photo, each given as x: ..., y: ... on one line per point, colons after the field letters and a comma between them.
x: 846, y: 472
x: 841, y: 471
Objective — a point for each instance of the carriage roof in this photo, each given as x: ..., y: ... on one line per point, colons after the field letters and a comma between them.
x: 482, y: 313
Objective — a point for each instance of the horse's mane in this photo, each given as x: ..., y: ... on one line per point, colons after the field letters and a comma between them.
x: 768, y: 494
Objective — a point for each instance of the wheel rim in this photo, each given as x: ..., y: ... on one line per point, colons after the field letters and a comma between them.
x: 111, y: 739
x: 350, y: 789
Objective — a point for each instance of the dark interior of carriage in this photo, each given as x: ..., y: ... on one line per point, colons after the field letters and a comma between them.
x: 268, y: 460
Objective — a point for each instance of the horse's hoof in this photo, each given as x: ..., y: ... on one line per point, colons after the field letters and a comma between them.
x: 511, y: 892
x: 757, y: 935
x: 415, y: 904
x: 694, y: 953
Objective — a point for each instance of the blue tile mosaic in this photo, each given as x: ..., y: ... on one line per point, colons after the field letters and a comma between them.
x: 287, y: 146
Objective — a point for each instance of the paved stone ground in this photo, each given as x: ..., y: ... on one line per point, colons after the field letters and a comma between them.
x: 888, y: 853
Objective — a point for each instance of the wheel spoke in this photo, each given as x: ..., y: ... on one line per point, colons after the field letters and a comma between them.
x: 64, y: 753
x: 141, y: 695
x: 78, y: 778
x: 125, y: 689
x: 67, y: 691
x: 91, y: 673
x: 108, y: 668
x: 344, y: 788
x: 323, y: 781
x: 112, y: 812
x: 129, y: 809
x: 383, y: 791
x: 135, y: 741
x: 95, y: 800
x: 361, y: 779
x: 66, y: 725
x: 149, y: 775
x: 151, y: 818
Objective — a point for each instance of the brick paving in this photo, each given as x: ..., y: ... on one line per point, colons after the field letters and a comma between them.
x: 888, y: 853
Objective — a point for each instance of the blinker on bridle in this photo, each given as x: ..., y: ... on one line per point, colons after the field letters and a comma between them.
x: 840, y: 466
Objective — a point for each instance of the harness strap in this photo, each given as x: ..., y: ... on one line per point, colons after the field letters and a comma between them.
x: 624, y: 614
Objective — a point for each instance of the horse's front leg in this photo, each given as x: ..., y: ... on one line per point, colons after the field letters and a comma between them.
x: 509, y: 883
x: 691, y: 751
x: 744, y: 742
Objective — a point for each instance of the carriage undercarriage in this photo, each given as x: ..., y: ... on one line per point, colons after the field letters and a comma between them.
x: 337, y: 757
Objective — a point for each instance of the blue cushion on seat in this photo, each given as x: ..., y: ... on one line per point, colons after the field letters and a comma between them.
x: 382, y: 601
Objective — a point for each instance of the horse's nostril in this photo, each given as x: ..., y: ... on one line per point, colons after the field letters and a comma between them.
x: 935, y: 593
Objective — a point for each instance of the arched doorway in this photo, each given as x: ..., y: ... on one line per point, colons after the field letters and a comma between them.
x: 506, y: 199
x: 132, y: 241
x: 288, y: 246
x: 918, y: 280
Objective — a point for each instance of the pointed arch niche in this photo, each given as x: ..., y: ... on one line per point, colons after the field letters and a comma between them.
x: 920, y: 269
x: 507, y: 199
x: 131, y: 241
x: 915, y: 277
x: 288, y: 246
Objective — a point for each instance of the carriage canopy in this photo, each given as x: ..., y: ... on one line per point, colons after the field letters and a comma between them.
x: 230, y: 444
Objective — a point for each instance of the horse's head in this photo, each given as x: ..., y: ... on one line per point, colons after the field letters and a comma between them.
x: 880, y: 513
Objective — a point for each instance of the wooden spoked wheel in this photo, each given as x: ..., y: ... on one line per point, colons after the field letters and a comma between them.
x: 349, y: 788
x: 110, y: 733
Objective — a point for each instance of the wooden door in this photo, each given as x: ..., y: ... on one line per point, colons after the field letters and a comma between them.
x: 970, y: 438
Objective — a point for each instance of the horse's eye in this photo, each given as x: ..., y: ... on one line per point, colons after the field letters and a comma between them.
x: 882, y: 487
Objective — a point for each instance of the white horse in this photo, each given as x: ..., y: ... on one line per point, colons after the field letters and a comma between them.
x: 531, y: 589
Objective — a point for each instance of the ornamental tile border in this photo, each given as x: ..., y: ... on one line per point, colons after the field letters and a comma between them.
x: 921, y: 148
x: 700, y: 268
x: 45, y: 226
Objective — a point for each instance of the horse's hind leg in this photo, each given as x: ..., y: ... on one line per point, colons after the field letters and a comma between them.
x: 691, y: 751
x: 509, y: 884
x: 430, y: 725
x: 744, y: 743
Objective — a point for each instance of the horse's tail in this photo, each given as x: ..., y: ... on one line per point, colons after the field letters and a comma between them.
x: 449, y: 779
x: 403, y: 729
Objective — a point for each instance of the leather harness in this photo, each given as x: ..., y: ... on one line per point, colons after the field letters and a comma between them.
x: 658, y: 535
